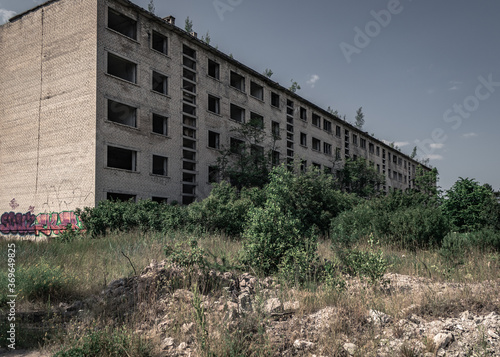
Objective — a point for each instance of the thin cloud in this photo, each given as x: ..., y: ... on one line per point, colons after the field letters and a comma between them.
x: 401, y: 143
x: 437, y: 145
x: 434, y: 157
x: 5, y: 15
x: 312, y: 82
x: 469, y: 135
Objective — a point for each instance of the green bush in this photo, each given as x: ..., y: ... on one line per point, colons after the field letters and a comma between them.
x: 350, y: 226
x: 299, y: 266
x: 108, y: 342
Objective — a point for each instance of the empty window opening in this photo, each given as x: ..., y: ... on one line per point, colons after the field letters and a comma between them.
x: 213, y: 69
x: 237, y: 81
x: 187, y: 177
x: 316, y: 144
x: 337, y: 153
x: 237, y: 146
x: 122, y: 68
x: 190, y: 144
x: 122, y: 24
x: 123, y: 197
x: 327, y: 148
x: 158, y: 199
x: 316, y: 165
x: 189, y: 155
x: 303, y: 113
x: 160, y: 165
x: 275, y: 129
x: 213, y: 174
x: 188, y: 74
x: 189, y: 98
x: 337, y: 131
x: 188, y: 86
x: 188, y: 62
x: 303, y: 139
x: 189, y: 189
x: 122, y: 113
x: 327, y: 125
x: 275, y: 100
x: 124, y: 159
x: 189, y: 109
x: 256, y: 120
x: 189, y: 166
x: 160, y: 43
x: 187, y: 120
x: 289, y: 128
x: 289, y: 111
x: 354, y: 139
x: 189, y: 132
x: 213, y: 104
x: 289, y: 103
x: 275, y: 158
x: 289, y: 144
x: 378, y: 151
x: 362, y: 143
x: 289, y: 136
x: 316, y: 120
x: 160, y: 124
x: 213, y: 140
x: 160, y: 83
x: 303, y: 165
x: 187, y: 200
x: 189, y: 51
x: 237, y: 113
x: 256, y: 90
x: 371, y: 148
x: 289, y: 153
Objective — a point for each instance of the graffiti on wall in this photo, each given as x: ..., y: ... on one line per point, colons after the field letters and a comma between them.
x: 47, y: 224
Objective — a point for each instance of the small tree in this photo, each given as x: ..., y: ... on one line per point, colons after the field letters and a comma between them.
x: 268, y: 73
x: 206, y: 38
x: 151, y: 6
x: 294, y: 87
x: 188, y: 25
x: 356, y: 176
x: 414, y: 153
x: 360, y: 118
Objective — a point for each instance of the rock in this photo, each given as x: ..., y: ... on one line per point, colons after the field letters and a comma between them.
x: 493, y: 334
x: 350, y: 348
x: 302, y: 345
x: 273, y: 305
x: 379, y: 318
x: 187, y: 328
x: 245, y: 303
x: 291, y: 305
x: 182, y: 346
x: 167, y: 343
x: 442, y: 340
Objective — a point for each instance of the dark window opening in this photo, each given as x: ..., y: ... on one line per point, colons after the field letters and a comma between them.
x: 256, y: 120
x: 188, y: 74
x: 275, y: 159
x: 124, y: 159
x: 189, y: 155
x: 327, y: 148
x: 161, y: 200
x: 237, y: 113
x: 256, y: 90
x: 275, y: 100
x: 237, y: 81
x: 123, y: 197
x: 160, y: 124
x: 327, y: 125
x: 160, y: 165
x: 316, y: 144
x: 122, y: 68
x: 190, y: 144
x: 303, y: 139
x: 237, y: 146
x: 189, y: 51
x: 213, y: 69
x: 190, y: 166
x: 189, y: 109
x: 160, y: 43
x: 160, y: 83
x: 122, y: 24
x: 188, y: 86
x: 189, y: 132
x: 316, y: 120
x: 188, y: 62
x: 213, y: 104
x: 213, y: 140
x: 213, y: 174
x: 122, y: 113
x: 275, y: 128
x: 303, y: 113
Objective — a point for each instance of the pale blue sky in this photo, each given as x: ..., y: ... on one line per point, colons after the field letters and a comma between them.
x: 428, y: 75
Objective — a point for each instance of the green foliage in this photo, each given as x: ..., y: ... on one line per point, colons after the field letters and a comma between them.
x: 360, y: 118
x: 187, y: 255
x: 43, y: 282
x: 426, y: 181
x: 370, y: 263
x: 294, y: 87
x: 357, y: 177
x: 151, y: 6
x: 299, y: 266
x: 188, y: 25
x: 108, y: 342
x: 69, y: 234
x: 225, y: 210
x: 470, y: 206
x: 352, y: 225
x: 268, y: 73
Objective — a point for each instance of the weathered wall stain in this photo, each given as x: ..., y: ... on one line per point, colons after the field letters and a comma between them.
x: 47, y: 224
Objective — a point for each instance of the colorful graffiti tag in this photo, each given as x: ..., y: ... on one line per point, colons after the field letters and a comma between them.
x: 47, y: 224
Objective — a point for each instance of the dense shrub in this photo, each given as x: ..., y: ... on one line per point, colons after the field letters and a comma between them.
x: 352, y: 225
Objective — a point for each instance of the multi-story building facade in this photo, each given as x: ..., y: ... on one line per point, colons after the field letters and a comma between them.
x: 102, y: 99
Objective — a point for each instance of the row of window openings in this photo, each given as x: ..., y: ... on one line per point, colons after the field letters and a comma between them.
x: 127, y: 70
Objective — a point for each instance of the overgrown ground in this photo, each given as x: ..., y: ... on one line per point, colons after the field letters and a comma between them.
x: 145, y: 314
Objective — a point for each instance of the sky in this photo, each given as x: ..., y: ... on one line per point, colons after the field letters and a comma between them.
x: 425, y: 72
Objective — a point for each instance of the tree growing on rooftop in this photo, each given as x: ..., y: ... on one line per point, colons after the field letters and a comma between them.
x: 188, y: 25
x: 360, y: 118
x: 151, y: 6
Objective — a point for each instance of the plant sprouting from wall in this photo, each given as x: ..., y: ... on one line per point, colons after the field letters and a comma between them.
x: 294, y: 87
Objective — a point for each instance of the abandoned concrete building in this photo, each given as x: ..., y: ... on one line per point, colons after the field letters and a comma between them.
x: 102, y: 99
